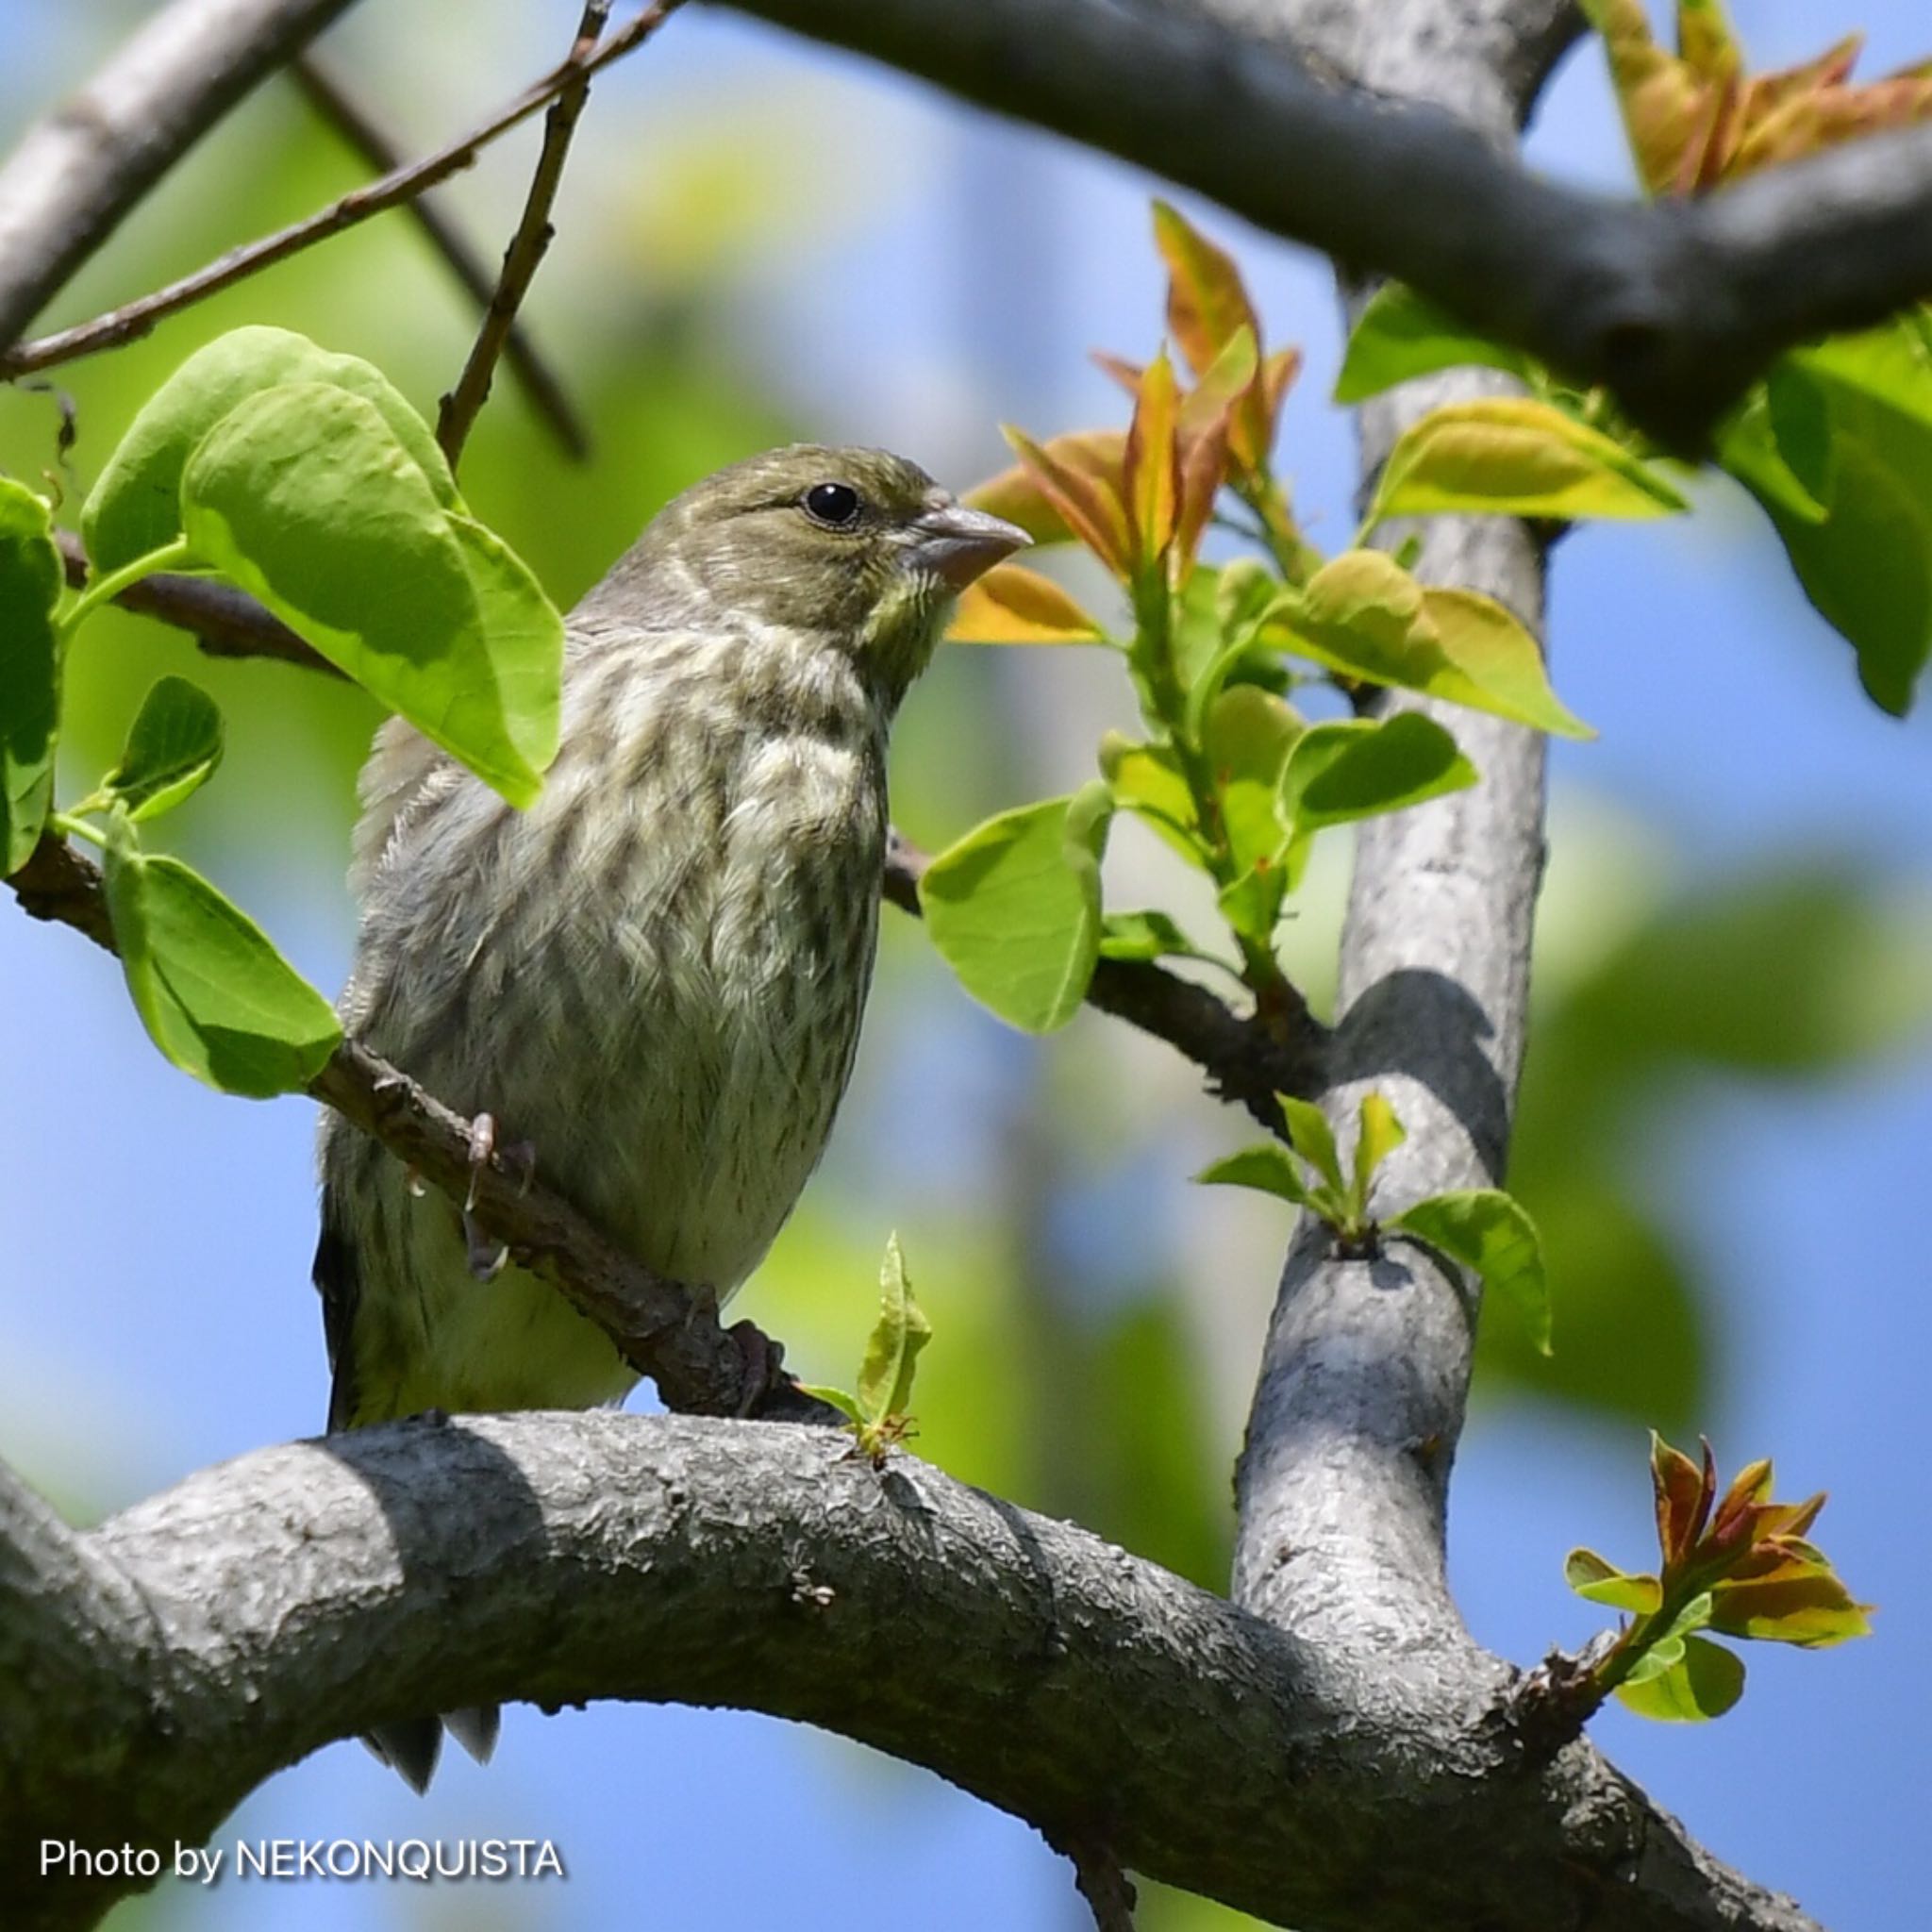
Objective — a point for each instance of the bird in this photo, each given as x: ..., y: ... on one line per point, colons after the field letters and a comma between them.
x: 654, y: 976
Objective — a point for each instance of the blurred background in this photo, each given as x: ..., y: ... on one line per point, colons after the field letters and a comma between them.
x: 1726, y: 1115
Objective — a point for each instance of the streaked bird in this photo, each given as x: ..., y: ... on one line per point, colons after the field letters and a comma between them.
x: 655, y: 976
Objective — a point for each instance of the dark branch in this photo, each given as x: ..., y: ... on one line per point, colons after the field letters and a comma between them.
x: 345, y: 114
x: 1675, y: 307
x: 563, y: 1557
x: 227, y: 623
x: 531, y: 240
x: 136, y: 319
x: 669, y: 1331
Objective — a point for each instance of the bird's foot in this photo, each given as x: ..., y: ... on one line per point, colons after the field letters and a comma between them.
x: 486, y: 1257
x: 763, y: 1361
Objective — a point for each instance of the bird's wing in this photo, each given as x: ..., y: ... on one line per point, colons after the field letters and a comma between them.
x: 405, y: 772
x: 338, y: 1281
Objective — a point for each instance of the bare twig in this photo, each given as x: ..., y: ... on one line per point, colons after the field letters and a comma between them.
x: 347, y: 115
x: 668, y: 1331
x: 531, y: 240
x: 135, y: 319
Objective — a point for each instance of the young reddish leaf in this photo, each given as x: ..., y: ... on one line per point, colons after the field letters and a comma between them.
x: 1205, y: 301
x: 1735, y: 1515
x: 1152, y: 471
x: 1264, y: 412
x: 1208, y: 418
x: 1684, y: 1496
x: 1826, y: 117
x: 1092, y: 506
x: 1125, y: 372
x: 1013, y: 605
x: 1016, y: 494
x: 1666, y: 109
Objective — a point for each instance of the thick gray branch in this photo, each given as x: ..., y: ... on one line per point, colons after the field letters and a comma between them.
x: 301, y: 1594
x: 66, y: 186
x: 1677, y: 307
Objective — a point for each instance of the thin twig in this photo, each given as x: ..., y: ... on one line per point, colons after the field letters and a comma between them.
x: 666, y: 1330
x: 134, y: 320
x: 529, y: 244
x: 332, y: 101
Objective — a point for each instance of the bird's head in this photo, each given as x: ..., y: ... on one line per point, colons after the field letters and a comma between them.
x: 857, y: 546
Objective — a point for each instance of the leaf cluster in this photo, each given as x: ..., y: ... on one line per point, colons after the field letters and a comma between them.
x: 1739, y: 1565
x: 1227, y: 771
x: 1483, y: 1229
x: 1835, y: 443
x: 305, y: 479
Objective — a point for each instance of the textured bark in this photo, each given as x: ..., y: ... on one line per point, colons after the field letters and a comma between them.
x: 1677, y: 307
x: 153, y: 1672
x: 1331, y: 1751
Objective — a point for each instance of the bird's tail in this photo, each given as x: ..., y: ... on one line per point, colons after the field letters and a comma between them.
x: 411, y: 1746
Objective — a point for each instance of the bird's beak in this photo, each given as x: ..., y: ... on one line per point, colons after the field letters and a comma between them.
x: 958, y: 544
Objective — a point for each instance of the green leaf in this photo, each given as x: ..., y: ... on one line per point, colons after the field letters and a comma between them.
x: 1601, y: 1582
x: 1377, y: 1136
x: 304, y: 495
x: 1147, y: 780
x: 1845, y: 431
x: 214, y: 994
x: 1505, y: 456
x: 1246, y: 737
x: 1487, y: 1230
x: 1747, y: 447
x: 1251, y: 904
x: 1361, y: 768
x: 1313, y: 1138
x: 1402, y: 334
x: 1267, y: 1167
x: 1144, y: 935
x: 1363, y: 615
x: 1705, y: 1682
x: 173, y: 748
x: 836, y: 1398
x: 136, y: 506
x: 30, y: 579
x: 884, y: 1376
x: 1014, y: 907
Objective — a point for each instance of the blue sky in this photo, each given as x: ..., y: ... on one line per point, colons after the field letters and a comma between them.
x: 154, y: 1302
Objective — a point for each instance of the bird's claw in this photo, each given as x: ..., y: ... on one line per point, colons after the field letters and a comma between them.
x: 762, y: 1358
x: 486, y: 1257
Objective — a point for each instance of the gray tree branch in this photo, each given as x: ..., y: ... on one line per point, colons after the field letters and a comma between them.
x: 560, y: 1557
x: 1675, y: 307
x: 65, y: 189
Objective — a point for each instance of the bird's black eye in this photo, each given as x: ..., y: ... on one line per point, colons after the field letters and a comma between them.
x: 835, y: 504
